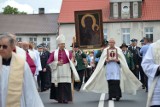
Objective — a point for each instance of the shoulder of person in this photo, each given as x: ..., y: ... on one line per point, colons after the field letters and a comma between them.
x: 143, y: 47
x: 52, y: 52
x: 83, y: 55
x: 128, y: 51
x: 130, y: 48
x: 118, y: 49
x: 138, y: 47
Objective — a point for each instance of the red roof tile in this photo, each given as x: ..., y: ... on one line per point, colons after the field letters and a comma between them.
x: 150, y: 10
x: 69, y: 6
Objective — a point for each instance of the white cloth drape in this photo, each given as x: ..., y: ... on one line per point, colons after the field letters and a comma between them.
x: 97, y: 82
x: 150, y: 68
x: 30, y: 96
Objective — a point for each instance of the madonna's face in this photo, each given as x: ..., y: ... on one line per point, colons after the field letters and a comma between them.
x: 88, y: 22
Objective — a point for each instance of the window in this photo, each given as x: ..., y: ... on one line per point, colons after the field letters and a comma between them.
x: 126, y: 35
x: 111, y: 10
x: 115, y: 10
x: 34, y: 40
x: 19, y: 39
x: 46, y: 40
x: 149, y: 33
x: 105, y: 33
x: 135, y: 9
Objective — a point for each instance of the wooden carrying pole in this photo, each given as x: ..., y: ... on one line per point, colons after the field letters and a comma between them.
x: 73, y: 53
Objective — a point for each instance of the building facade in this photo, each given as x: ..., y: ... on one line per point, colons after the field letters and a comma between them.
x: 121, y: 32
x: 122, y: 19
x: 48, y: 39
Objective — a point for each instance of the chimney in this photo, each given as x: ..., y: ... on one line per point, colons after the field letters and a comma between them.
x: 41, y: 11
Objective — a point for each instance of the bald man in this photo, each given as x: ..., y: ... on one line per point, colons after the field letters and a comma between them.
x: 113, y: 73
x: 17, y: 48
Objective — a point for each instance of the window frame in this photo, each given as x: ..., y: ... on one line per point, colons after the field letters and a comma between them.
x: 34, y: 40
x: 105, y: 34
x: 149, y: 32
x: 126, y: 35
x: 19, y: 39
x: 47, y: 41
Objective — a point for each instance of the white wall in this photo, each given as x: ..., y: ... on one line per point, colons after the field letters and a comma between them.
x: 137, y: 30
x: 53, y: 43
x: 68, y: 31
x: 40, y: 40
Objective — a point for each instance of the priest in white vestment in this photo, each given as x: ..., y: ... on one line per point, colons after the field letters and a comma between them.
x: 36, y: 58
x: 113, y: 74
x: 151, y: 66
x: 17, y: 87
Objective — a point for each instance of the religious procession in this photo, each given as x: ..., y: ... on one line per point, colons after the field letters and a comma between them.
x: 105, y: 56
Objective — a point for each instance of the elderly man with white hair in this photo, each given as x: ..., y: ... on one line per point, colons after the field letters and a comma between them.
x: 22, y: 53
x: 17, y: 87
x: 60, y: 62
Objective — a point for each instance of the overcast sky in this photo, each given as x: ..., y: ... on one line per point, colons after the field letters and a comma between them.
x: 31, y: 6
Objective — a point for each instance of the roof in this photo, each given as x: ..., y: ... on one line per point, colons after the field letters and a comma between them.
x: 69, y: 6
x: 150, y: 10
x: 29, y: 24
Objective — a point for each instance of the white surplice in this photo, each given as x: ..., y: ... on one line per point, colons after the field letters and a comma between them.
x: 34, y: 54
x: 37, y: 62
x: 58, y: 74
x: 30, y: 96
x: 150, y: 68
x: 113, y: 71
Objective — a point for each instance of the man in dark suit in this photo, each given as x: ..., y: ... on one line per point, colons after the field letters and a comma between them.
x: 48, y: 71
x: 135, y: 50
x: 43, y: 76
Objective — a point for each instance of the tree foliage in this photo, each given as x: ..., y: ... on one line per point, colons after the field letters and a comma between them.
x: 11, y: 10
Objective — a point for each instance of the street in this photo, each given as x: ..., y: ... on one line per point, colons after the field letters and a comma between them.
x: 85, y: 99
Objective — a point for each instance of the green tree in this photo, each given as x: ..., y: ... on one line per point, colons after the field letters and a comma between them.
x: 11, y: 10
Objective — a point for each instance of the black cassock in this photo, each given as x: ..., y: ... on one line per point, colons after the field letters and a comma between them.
x: 62, y: 93
x: 44, y: 77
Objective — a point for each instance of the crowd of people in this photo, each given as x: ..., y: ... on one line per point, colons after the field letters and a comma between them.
x: 122, y: 69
